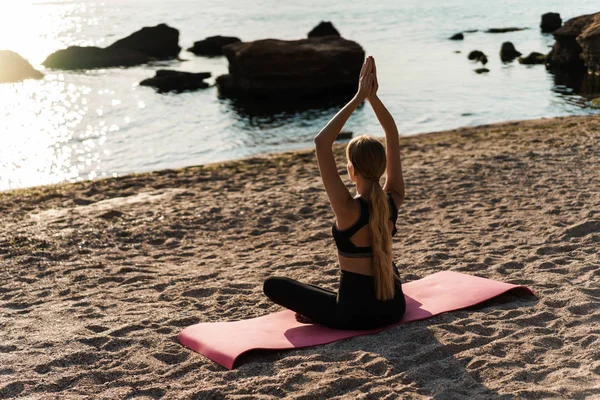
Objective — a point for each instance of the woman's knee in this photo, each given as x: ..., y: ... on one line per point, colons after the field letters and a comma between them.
x: 273, y: 285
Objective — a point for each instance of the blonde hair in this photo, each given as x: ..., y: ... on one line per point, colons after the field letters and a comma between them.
x: 367, y: 155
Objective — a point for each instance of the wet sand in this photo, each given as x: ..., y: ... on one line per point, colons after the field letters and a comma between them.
x: 97, y: 278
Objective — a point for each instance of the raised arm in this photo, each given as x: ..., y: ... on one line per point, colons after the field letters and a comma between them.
x: 394, y: 182
x: 339, y: 196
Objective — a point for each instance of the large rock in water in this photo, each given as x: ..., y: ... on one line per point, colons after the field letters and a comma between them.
x: 177, y: 81
x: 325, y: 28
x: 148, y: 44
x: 212, y: 46
x: 14, y: 68
x: 160, y: 42
x: 568, y: 51
x: 272, y: 68
x: 76, y: 57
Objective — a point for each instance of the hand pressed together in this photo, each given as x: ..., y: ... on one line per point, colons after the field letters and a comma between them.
x: 367, y: 81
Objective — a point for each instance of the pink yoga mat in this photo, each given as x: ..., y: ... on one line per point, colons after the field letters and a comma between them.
x: 444, y: 291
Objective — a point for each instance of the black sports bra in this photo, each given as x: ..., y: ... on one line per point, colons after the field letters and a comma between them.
x: 342, y: 237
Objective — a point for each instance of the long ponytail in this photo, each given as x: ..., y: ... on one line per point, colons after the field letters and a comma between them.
x: 368, y: 157
x: 381, y: 243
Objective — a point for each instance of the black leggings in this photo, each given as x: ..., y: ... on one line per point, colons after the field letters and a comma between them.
x: 353, y: 307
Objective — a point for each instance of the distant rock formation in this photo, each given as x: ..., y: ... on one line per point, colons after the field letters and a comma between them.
x: 148, y: 44
x: 504, y: 30
x: 457, y: 36
x: 577, y: 44
x: 271, y: 68
x: 325, y: 28
x: 508, y: 52
x: 14, y: 68
x: 76, y: 57
x: 533, y: 58
x: 160, y: 42
x: 550, y: 22
x: 212, y: 46
x: 176, y: 81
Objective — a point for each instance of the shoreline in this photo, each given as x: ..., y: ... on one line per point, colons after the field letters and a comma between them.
x: 98, y: 277
x: 223, y: 163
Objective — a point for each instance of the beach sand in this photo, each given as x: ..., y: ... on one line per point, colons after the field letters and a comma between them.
x: 97, y: 278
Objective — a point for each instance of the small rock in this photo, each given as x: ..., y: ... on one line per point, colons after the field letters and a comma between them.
x: 482, y: 70
x: 212, y: 46
x: 508, y: 52
x: 457, y: 36
x: 111, y: 214
x: 550, y: 22
x: 177, y: 81
x: 504, y: 30
x: 325, y: 28
x: 595, y: 102
x: 533, y: 58
x: 344, y: 135
x: 475, y: 54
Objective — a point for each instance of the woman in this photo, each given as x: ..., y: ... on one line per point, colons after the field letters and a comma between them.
x: 370, y: 293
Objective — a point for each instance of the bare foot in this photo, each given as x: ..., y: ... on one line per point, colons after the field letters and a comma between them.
x: 305, y: 320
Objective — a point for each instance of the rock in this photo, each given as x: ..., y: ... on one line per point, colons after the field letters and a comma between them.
x: 160, y: 42
x: 482, y: 70
x: 457, y: 36
x: 471, y: 31
x: 76, y: 57
x: 316, y: 67
x: 589, y: 40
x: 177, y: 81
x: 475, y: 55
x: 504, y: 30
x: 325, y: 28
x: 567, y: 51
x: 483, y: 59
x: 212, y: 46
x: 533, y: 58
x: 595, y: 102
x: 508, y: 52
x: 550, y: 22
x: 148, y: 44
x: 344, y: 135
x: 14, y: 68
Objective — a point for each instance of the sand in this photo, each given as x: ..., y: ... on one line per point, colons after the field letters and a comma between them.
x: 97, y: 278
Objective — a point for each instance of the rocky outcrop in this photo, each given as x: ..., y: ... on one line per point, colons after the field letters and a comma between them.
x: 567, y: 50
x: 550, y: 22
x: 177, y: 81
x: 508, y: 52
x: 533, y: 58
x: 14, y: 68
x: 271, y: 68
x: 325, y: 28
x: 457, y: 36
x: 148, y: 44
x: 212, y: 46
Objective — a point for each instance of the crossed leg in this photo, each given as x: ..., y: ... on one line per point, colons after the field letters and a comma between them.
x: 311, y: 302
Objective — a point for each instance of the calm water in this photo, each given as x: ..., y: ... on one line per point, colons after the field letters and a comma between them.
x: 83, y: 125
